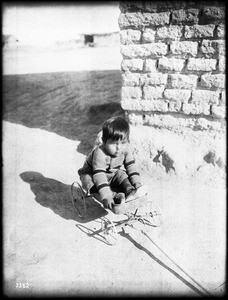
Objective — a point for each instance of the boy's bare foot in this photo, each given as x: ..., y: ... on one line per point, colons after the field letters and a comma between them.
x: 142, y: 191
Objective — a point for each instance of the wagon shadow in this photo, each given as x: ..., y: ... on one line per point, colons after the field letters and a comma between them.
x: 161, y: 263
x: 56, y: 195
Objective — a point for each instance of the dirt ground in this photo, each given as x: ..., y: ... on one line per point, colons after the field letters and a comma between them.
x: 47, y: 249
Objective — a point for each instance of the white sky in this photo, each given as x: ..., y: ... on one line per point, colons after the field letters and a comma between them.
x: 45, y: 23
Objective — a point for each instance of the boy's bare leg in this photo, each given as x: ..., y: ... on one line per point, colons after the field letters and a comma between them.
x: 128, y: 189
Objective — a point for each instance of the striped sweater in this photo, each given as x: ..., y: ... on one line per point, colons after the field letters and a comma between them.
x: 102, y: 167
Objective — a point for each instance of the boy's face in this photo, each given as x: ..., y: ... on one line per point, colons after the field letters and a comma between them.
x: 115, y: 148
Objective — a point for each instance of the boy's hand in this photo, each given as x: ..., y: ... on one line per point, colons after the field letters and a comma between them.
x: 108, y: 203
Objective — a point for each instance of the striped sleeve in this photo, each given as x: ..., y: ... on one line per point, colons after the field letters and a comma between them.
x: 131, y: 169
x: 99, y: 174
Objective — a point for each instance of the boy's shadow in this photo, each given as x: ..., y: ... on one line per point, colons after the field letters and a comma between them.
x: 56, y: 195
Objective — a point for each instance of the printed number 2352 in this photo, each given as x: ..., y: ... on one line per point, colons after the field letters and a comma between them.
x: 22, y: 285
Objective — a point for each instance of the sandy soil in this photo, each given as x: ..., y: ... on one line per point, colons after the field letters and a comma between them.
x: 47, y: 250
x: 43, y: 61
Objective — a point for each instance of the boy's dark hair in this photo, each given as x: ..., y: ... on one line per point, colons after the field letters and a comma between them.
x: 115, y: 128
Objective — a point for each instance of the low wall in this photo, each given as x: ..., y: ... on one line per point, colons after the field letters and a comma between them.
x: 173, y: 91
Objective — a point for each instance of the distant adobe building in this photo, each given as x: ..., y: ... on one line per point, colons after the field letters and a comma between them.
x: 9, y: 41
x: 100, y: 39
x: 173, y: 73
x: 109, y: 39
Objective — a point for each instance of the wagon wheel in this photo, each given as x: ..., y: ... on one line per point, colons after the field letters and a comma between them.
x: 78, y: 198
x: 108, y: 232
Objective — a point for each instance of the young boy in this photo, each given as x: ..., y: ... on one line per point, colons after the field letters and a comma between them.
x: 111, y: 165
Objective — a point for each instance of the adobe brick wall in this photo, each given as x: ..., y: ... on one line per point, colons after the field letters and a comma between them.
x: 173, y: 63
x: 173, y: 86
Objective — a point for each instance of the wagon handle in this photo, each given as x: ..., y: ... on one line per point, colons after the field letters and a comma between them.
x: 193, y: 279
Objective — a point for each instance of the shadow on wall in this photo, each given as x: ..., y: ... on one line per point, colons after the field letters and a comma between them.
x: 70, y: 104
x: 56, y: 195
x: 165, y: 159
